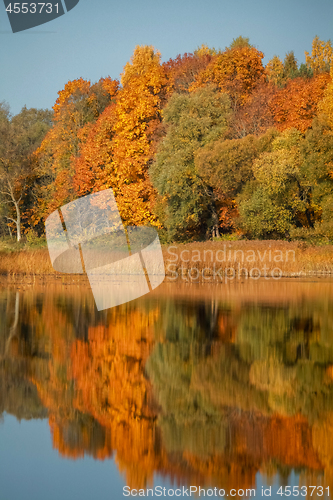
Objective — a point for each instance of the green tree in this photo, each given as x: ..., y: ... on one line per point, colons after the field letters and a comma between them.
x: 192, y: 121
x: 281, y: 194
x: 240, y: 42
x: 290, y: 65
x: 279, y: 72
x: 317, y: 165
x: 204, y: 50
x: 226, y: 165
x: 20, y: 135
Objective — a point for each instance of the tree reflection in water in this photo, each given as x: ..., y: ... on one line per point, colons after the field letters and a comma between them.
x: 203, y: 388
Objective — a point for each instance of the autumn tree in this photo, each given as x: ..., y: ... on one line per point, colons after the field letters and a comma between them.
x: 235, y: 71
x: 290, y: 66
x: 240, y: 42
x: 78, y: 106
x: 226, y: 166
x: 326, y: 105
x: 186, y: 201
x: 184, y: 69
x: 137, y: 114
x: 204, y: 50
x: 321, y: 57
x: 255, y: 116
x: 281, y: 195
x: 20, y: 135
x: 279, y: 73
x: 297, y: 103
x: 94, y: 164
x: 275, y: 71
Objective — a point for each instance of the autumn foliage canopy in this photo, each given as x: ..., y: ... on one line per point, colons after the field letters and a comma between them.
x: 179, y: 141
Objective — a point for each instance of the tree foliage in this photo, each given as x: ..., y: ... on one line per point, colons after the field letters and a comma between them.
x: 77, y: 107
x: 138, y: 112
x: 321, y: 57
x: 186, y: 145
x: 19, y: 137
x: 275, y: 71
x: 281, y: 194
x: 326, y: 105
x: 184, y: 69
x: 192, y: 122
x: 235, y: 71
x: 255, y: 116
x: 296, y: 104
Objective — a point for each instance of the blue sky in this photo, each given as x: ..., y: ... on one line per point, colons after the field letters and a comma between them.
x: 97, y: 38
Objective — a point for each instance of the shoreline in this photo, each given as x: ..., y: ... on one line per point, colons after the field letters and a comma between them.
x: 198, y: 261
x: 285, y: 292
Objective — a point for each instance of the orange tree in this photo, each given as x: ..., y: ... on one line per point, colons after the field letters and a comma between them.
x: 255, y: 116
x: 77, y: 107
x: 296, y: 104
x: 120, y: 146
x: 94, y: 164
x: 235, y: 71
x: 183, y: 70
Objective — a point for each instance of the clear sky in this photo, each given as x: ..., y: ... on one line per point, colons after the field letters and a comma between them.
x: 97, y: 38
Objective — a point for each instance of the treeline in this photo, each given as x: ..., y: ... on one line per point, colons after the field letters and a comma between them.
x: 206, y: 144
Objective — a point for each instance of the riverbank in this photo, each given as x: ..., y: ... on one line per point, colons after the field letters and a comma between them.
x: 203, y: 261
x: 253, y: 259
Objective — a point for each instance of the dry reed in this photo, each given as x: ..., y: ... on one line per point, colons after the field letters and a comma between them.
x: 292, y: 258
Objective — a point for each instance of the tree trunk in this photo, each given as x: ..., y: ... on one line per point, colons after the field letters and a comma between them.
x: 215, y: 231
x: 17, y: 208
x: 18, y: 220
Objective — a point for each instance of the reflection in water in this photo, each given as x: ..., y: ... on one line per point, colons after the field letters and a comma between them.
x: 205, y: 387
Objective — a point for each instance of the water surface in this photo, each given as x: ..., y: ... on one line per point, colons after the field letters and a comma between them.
x: 227, y: 386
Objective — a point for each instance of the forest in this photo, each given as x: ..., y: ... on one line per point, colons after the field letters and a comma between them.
x: 210, y: 145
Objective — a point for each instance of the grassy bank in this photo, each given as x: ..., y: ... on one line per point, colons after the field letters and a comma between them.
x: 252, y: 258
x: 195, y: 260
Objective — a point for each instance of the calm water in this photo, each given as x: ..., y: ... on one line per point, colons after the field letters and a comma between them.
x: 227, y: 387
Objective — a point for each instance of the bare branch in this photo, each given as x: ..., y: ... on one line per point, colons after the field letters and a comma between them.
x: 13, y: 220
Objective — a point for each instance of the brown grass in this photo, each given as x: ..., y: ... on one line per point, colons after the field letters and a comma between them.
x: 293, y: 259
x: 240, y: 258
x: 26, y: 262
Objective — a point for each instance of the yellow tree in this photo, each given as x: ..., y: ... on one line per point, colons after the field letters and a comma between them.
x: 138, y: 112
x: 326, y: 105
x: 275, y: 71
x: 204, y: 50
x: 321, y: 57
